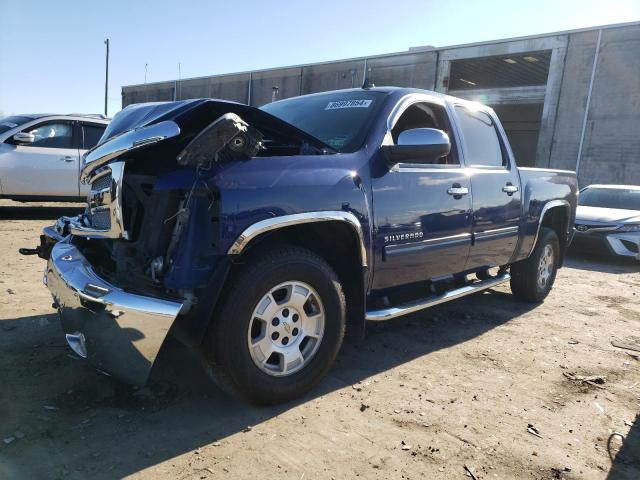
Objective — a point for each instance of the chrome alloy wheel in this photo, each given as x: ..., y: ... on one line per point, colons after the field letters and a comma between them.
x: 286, y: 328
x: 545, y: 267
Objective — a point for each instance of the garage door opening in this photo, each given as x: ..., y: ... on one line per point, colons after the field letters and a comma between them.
x: 521, y: 122
x: 502, y: 71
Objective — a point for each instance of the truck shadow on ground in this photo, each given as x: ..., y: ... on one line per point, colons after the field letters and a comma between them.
x: 626, y: 458
x: 108, y: 430
x: 32, y: 212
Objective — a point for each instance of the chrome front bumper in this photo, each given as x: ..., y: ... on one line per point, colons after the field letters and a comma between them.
x: 121, y: 332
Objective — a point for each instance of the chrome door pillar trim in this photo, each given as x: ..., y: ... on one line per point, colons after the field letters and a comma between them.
x: 547, y: 206
x: 410, y: 99
x: 275, y: 223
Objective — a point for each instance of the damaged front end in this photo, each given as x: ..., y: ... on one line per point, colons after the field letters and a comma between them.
x: 146, y: 250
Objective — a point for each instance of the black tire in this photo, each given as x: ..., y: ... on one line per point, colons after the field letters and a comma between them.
x: 525, y: 273
x: 226, y: 350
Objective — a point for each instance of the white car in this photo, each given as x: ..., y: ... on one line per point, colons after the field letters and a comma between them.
x: 40, y: 155
x: 608, y: 220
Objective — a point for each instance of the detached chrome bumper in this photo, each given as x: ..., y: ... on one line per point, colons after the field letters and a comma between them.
x: 121, y: 332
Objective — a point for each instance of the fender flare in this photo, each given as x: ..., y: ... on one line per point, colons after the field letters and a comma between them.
x: 548, y: 206
x: 275, y: 223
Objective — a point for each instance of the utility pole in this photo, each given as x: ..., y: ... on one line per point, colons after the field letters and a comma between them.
x: 178, y: 84
x: 146, y: 67
x: 106, y: 79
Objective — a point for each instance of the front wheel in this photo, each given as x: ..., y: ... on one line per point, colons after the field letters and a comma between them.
x: 532, y: 278
x: 279, y: 329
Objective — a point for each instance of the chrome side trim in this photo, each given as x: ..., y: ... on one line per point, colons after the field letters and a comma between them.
x: 496, y: 232
x: 417, y: 305
x: 397, y: 248
x: 109, y: 199
x: 126, y: 142
x: 547, y: 206
x: 275, y: 223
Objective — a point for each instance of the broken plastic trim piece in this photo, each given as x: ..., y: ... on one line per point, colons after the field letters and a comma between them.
x: 229, y: 135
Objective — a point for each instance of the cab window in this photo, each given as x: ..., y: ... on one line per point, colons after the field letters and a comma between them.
x: 482, y: 145
x: 426, y: 115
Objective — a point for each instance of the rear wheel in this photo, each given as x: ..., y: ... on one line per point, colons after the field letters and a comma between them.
x: 532, y: 278
x: 279, y: 328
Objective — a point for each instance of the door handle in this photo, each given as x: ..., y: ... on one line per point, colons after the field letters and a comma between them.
x: 510, y: 189
x: 67, y: 158
x: 457, y: 191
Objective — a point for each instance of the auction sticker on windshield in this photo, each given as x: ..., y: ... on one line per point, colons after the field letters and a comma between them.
x: 348, y: 104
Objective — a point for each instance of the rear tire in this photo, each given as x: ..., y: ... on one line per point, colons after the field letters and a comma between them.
x: 532, y: 278
x: 285, y: 354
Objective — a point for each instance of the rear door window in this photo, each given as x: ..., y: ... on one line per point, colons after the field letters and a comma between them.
x: 482, y: 145
x: 91, y: 134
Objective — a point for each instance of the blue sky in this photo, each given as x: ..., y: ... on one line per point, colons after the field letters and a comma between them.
x: 52, y: 53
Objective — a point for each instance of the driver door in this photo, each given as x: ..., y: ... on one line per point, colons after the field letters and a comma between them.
x: 422, y: 230
x: 47, y: 167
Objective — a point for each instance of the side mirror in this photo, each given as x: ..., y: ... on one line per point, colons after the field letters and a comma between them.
x: 418, y: 145
x: 23, y: 138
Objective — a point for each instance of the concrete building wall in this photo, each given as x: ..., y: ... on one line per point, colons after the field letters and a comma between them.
x: 545, y: 122
x: 573, y: 97
x: 611, y: 147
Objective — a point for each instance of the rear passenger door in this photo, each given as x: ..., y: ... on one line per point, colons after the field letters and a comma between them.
x: 89, y: 134
x: 495, y: 188
x: 422, y: 230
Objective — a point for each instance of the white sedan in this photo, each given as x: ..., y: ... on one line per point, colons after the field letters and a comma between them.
x: 608, y: 220
x: 40, y: 155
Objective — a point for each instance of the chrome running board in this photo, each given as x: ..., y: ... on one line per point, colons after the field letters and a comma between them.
x: 421, y: 304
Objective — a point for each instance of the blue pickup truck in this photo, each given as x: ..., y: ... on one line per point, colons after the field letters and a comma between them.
x: 261, y: 236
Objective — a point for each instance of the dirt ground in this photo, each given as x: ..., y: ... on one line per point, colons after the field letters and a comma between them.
x: 475, y: 388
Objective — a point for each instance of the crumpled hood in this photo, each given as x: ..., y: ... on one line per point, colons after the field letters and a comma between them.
x: 143, y: 114
x: 187, y: 112
x: 175, y: 124
x: 606, y: 215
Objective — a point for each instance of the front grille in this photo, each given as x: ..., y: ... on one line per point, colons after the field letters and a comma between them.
x: 103, y: 216
x: 582, y: 227
x: 591, y: 244
x: 101, y: 183
x: 101, y: 219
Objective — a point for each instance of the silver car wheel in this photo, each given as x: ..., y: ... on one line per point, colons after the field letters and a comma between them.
x: 545, y: 267
x: 286, y: 328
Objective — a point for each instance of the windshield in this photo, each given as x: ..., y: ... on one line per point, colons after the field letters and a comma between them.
x: 8, y: 123
x: 339, y: 119
x: 626, y: 199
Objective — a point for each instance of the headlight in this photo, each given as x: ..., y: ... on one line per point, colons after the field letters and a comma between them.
x: 630, y: 228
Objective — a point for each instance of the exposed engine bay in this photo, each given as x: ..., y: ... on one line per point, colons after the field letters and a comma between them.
x: 154, y: 193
